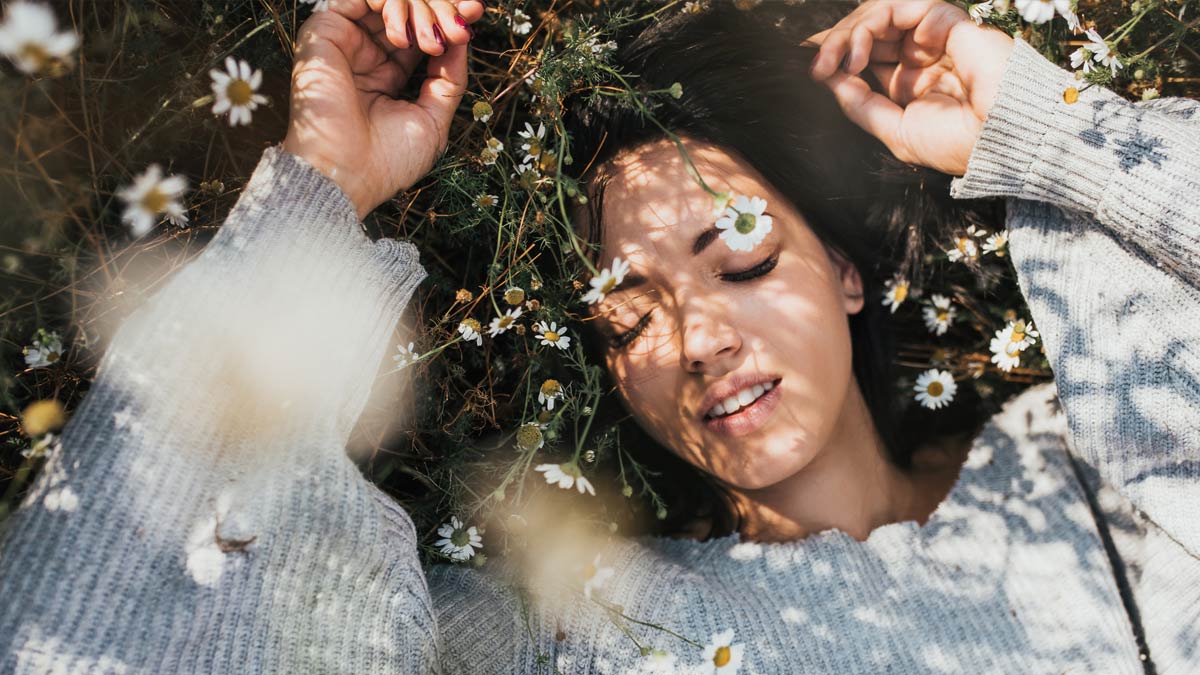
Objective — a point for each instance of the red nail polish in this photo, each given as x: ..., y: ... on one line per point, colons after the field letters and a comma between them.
x: 437, y: 34
x: 463, y: 23
x: 412, y: 37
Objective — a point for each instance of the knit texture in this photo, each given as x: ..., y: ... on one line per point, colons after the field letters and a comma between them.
x: 200, y: 513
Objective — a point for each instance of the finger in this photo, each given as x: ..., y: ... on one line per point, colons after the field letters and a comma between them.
x: 875, y: 113
x: 355, y: 9
x: 443, y: 89
x: 455, y: 28
x: 424, y: 22
x: 829, y: 56
x: 471, y: 10
x: 395, y: 19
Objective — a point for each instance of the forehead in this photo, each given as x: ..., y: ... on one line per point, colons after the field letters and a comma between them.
x: 652, y: 202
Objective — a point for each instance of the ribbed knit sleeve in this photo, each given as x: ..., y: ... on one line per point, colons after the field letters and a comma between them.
x: 1104, y: 232
x: 199, y: 514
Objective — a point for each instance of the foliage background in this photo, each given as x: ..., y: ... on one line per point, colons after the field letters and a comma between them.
x: 139, y: 94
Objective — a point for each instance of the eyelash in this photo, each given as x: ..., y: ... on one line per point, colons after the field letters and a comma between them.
x: 758, y: 270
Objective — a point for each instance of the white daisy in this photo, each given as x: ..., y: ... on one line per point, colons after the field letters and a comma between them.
x: 1102, y: 53
x: 532, y: 144
x: 660, y: 662
x: 458, y: 543
x: 1041, y: 11
x: 486, y: 202
x: 981, y: 11
x: 693, y: 6
x: 29, y: 38
x: 45, y: 351
x: 1010, y: 341
x: 744, y: 225
x: 595, y: 576
x: 996, y: 243
x: 964, y: 249
x: 318, y: 5
x: 491, y: 153
x: 235, y: 91
x: 895, y: 291
x: 1072, y: 20
x: 550, y: 391
x: 721, y: 655
x: 552, y: 335
x: 519, y: 22
x: 940, y: 314
x: 608, y: 279
x: 600, y: 49
x: 469, y: 328
x: 935, y: 388
x: 405, y: 356
x: 566, y: 476
x: 151, y: 195
x: 501, y: 324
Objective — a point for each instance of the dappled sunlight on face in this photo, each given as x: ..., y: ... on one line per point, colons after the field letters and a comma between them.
x: 712, y: 319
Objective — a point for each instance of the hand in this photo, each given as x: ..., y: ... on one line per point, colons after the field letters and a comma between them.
x: 351, y: 64
x: 939, y: 70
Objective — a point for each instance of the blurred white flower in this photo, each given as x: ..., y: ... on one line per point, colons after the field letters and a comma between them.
x: 566, y: 476
x: 964, y: 249
x: 600, y: 48
x: 552, y: 335
x: 595, y: 576
x: 550, y: 391
x: 491, y: 153
x: 895, y: 290
x: 470, y: 330
x: 608, y: 279
x: 485, y: 202
x: 1102, y: 53
x: 29, y: 38
x: 501, y: 324
x: 235, y: 91
x: 1041, y: 11
x: 532, y: 144
x: 1010, y: 341
x: 721, y: 655
x: 45, y: 351
x: 151, y: 195
x: 693, y: 6
x: 935, y: 388
x: 996, y: 243
x: 981, y: 11
x: 458, y: 542
x: 405, y: 356
x: 940, y: 314
x: 519, y: 22
x: 744, y: 224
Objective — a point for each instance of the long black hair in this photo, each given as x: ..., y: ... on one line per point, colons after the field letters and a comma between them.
x: 745, y: 88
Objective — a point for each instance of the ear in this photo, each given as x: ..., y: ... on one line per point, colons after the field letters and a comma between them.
x: 851, y: 282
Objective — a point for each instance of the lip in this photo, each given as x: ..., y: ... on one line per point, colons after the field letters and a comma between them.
x: 719, y: 391
x: 748, y: 419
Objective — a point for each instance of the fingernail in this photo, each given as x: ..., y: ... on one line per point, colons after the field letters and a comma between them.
x: 437, y: 34
x: 463, y: 24
x: 412, y: 37
x: 846, y: 62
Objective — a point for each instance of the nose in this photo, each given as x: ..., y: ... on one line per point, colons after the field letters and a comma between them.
x: 709, y: 343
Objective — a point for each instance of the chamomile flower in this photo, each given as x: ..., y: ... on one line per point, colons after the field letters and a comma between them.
x: 599, y: 48
x: 980, y: 11
x: 721, y: 656
x: 458, y: 542
x: 491, y: 152
x: 318, y: 5
x: 594, y: 576
x: 530, y: 437
x: 608, y: 279
x: 551, y: 335
x: 550, y: 391
x: 895, y: 290
x: 964, y: 249
x: 1102, y: 53
x: 532, y: 144
x: 45, y: 351
x: 29, y: 38
x: 481, y: 111
x: 519, y: 22
x: 693, y: 6
x: 940, y: 314
x: 1010, y: 341
x: 744, y: 225
x: 501, y: 324
x: 469, y: 328
x: 566, y: 476
x: 996, y: 243
x: 151, y: 195
x: 1082, y: 57
x: 935, y: 388
x: 235, y: 91
x: 405, y: 356
x: 1041, y: 11
x: 486, y: 202
x: 660, y: 662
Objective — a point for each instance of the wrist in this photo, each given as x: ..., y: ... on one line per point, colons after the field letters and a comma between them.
x: 350, y: 185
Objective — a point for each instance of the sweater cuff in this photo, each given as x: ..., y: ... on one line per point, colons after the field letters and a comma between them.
x: 1034, y: 145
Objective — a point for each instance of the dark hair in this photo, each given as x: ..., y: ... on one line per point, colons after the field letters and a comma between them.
x: 746, y: 89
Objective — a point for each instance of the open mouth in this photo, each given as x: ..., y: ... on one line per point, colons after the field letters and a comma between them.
x: 742, y: 402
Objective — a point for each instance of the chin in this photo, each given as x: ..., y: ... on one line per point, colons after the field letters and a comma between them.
x: 766, y: 468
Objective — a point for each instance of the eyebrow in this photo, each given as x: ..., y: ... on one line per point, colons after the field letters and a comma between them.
x: 702, y: 242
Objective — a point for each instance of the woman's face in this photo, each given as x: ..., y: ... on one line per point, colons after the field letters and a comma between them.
x: 771, y: 322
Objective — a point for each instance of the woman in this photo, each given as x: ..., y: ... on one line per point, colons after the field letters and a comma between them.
x: 223, y: 529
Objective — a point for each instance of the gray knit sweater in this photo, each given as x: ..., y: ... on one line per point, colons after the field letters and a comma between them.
x: 200, y: 514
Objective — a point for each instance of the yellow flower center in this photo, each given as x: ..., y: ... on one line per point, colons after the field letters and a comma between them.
x: 529, y: 437
x: 551, y: 336
x: 460, y: 538
x: 745, y: 223
x: 943, y: 316
x: 514, y: 296
x: 535, y: 147
x: 472, y: 324
x: 34, y: 52
x: 722, y: 657
x: 239, y: 92
x: 935, y: 388
x: 900, y: 293
x: 154, y: 200
x: 551, y: 388
x: 609, y: 284
x: 505, y: 321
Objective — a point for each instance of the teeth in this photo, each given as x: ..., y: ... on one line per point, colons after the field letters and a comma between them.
x: 742, y: 399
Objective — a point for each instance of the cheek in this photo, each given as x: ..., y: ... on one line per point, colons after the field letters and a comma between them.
x: 649, y: 386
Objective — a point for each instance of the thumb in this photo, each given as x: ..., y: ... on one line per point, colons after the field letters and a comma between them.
x: 877, y: 114
x: 443, y: 89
